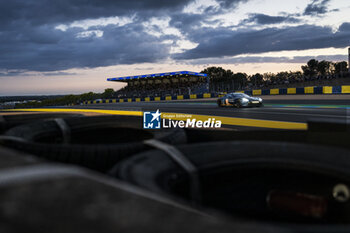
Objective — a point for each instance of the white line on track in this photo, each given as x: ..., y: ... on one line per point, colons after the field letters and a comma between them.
x: 303, y: 114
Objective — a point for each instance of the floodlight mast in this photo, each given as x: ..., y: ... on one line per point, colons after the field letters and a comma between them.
x: 349, y: 59
x: 208, y: 81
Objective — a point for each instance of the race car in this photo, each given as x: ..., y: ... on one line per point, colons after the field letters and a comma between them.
x: 239, y: 100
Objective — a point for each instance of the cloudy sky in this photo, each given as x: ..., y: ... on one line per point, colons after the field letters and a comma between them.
x: 72, y: 46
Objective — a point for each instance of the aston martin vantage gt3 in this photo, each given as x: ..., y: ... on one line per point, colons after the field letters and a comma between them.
x: 239, y: 100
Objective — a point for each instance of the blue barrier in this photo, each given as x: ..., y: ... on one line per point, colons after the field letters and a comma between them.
x: 300, y: 90
x: 248, y: 92
x: 336, y: 90
x: 318, y: 90
x: 265, y: 92
x: 283, y: 91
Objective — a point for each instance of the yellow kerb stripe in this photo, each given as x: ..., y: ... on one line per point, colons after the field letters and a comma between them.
x: 113, y: 112
x: 309, y: 90
x: 274, y: 91
x: 327, y: 90
x: 257, y: 92
x: 224, y: 120
x: 345, y: 89
x: 291, y: 90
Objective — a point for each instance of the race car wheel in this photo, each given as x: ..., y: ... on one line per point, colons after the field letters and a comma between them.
x: 239, y: 104
x: 12, y: 120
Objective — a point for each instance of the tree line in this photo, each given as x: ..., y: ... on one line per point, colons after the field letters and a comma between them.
x: 221, y: 79
x: 70, y: 99
x: 315, y: 67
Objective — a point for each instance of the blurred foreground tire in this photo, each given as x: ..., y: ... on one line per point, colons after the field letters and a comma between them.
x: 41, y: 197
x: 94, y: 142
x: 10, y: 121
x: 269, y: 181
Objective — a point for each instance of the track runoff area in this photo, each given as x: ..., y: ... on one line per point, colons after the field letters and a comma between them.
x: 278, y: 112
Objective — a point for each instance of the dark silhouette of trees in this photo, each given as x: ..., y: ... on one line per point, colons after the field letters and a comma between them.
x: 108, y: 93
x: 311, y: 68
x: 324, y: 67
x: 256, y: 80
x: 70, y: 99
x: 340, y: 67
x: 225, y: 79
x: 314, y: 68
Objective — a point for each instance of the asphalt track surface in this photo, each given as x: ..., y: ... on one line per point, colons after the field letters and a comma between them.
x: 277, y: 112
x: 300, y: 110
x: 286, y: 110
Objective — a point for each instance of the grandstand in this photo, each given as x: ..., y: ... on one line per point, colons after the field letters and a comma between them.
x: 163, y: 84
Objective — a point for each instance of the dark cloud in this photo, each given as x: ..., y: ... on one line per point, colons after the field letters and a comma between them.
x: 219, y: 42
x: 230, y: 3
x: 186, y: 22
x: 38, y: 12
x: 267, y: 19
x: 46, y: 49
x: 58, y: 73
x: 13, y: 73
x: 317, y: 7
x: 29, y: 40
x: 334, y: 58
x: 25, y: 73
x: 345, y: 27
x: 265, y: 59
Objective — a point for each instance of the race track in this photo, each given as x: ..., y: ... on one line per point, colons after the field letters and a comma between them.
x: 278, y: 112
x: 293, y: 109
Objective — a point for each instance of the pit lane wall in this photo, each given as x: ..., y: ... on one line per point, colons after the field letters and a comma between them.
x: 276, y: 91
